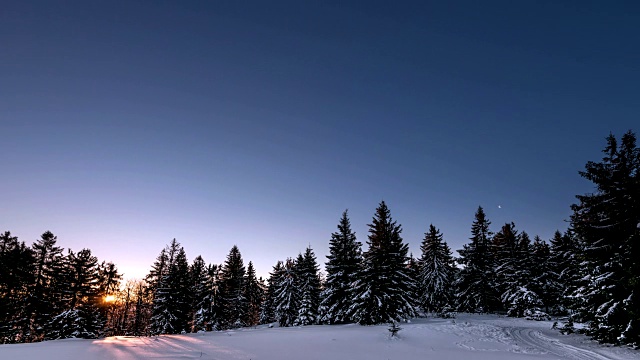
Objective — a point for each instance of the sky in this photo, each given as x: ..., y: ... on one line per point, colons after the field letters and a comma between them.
x: 127, y: 124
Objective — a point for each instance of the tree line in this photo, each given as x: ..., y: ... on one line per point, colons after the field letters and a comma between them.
x: 591, y: 273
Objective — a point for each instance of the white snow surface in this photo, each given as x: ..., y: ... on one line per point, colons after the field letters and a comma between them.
x: 466, y: 337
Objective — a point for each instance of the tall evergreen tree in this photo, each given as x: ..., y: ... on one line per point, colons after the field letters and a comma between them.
x: 513, y: 257
x: 286, y: 302
x: 169, y: 280
x: 383, y: 292
x: 157, y: 280
x: 214, y: 314
x: 607, y: 223
x: 158, y: 272
x: 253, y: 293
x: 543, y: 281
x: 504, y: 247
x: 435, y: 275
x: 45, y: 297
x: 267, y: 313
x: 342, y: 267
x: 16, y: 277
x: 181, y: 296
x: 199, y: 289
x: 476, y: 282
x: 565, y: 259
x: 233, y: 301
x: 78, y: 315
x: 309, y: 287
x: 413, y: 271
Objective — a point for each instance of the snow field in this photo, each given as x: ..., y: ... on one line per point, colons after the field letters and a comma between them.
x: 467, y: 337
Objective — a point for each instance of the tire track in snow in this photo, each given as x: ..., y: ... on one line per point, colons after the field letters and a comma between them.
x: 534, y: 339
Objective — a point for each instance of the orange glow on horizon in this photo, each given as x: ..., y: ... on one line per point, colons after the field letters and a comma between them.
x: 109, y: 298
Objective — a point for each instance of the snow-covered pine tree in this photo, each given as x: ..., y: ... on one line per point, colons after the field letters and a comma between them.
x: 253, y: 293
x: 343, y: 266
x: 16, y: 276
x: 413, y: 271
x: 156, y: 286
x: 287, y: 295
x: 309, y: 287
x: 476, y: 290
x: 607, y: 222
x: 564, y: 264
x: 504, y: 247
x: 512, y: 254
x: 161, y: 318
x: 267, y: 312
x: 180, y: 285
x: 199, y: 290
x: 170, y: 279
x: 78, y: 316
x: 214, y: 315
x: 435, y: 275
x: 232, y: 300
x: 543, y: 280
x: 44, y: 298
x: 383, y: 292
x: 207, y: 309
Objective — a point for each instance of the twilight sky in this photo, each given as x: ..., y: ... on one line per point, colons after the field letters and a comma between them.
x: 125, y: 124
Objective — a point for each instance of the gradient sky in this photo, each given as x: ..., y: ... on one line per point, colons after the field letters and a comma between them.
x: 125, y: 124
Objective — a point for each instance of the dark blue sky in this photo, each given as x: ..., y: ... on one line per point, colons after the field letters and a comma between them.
x: 126, y: 124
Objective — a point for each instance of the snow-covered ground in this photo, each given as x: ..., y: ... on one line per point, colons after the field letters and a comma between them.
x: 468, y: 337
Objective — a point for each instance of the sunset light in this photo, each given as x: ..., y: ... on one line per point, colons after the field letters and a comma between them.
x: 109, y: 298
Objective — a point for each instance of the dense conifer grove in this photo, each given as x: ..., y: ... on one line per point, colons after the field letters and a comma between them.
x: 590, y: 274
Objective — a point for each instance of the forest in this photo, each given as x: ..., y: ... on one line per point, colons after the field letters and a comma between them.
x: 589, y: 273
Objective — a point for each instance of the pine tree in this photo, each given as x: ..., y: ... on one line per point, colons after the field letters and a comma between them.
x: 253, y: 293
x: 157, y: 280
x: 512, y: 254
x: 476, y: 281
x: 607, y: 223
x: 169, y: 281
x: 435, y: 274
x: 214, y: 313
x: 108, y: 286
x: 413, y: 272
x: 543, y: 280
x: 233, y: 302
x: 158, y: 271
x: 45, y: 295
x: 267, y: 312
x: 383, y: 291
x: 199, y: 289
x: 309, y: 287
x: 564, y: 264
x: 16, y: 276
x: 87, y: 296
x: 78, y: 316
x: 180, y: 285
x: 342, y: 267
x: 504, y: 247
x: 286, y: 302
